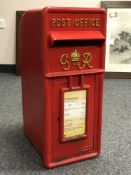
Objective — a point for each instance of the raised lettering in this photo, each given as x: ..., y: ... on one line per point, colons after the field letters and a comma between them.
x: 58, y: 22
x: 97, y: 22
x: 53, y: 21
x: 86, y: 61
x: 68, y: 21
x: 77, y: 22
x: 64, y: 61
x: 81, y: 22
x: 86, y: 22
x: 93, y: 22
x: 63, y: 22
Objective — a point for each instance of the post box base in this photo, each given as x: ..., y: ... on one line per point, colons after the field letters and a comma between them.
x: 37, y: 146
x: 71, y: 160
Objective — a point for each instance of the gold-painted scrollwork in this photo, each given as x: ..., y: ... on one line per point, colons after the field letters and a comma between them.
x: 64, y: 61
x: 86, y: 61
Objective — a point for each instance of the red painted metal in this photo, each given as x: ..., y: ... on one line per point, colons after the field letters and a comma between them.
x: 48, y: 37
x: 75, y: 36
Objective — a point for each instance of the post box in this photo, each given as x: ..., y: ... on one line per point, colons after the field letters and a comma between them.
x: 62, y: 55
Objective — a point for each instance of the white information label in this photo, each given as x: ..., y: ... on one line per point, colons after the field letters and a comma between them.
x: 74, y: 113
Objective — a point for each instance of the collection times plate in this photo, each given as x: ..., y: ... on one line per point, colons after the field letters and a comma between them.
x: 74, y: 113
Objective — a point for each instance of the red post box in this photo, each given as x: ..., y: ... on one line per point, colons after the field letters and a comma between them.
x: 62, y: 52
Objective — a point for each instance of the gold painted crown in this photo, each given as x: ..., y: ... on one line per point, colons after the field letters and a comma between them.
x: 75, y: 56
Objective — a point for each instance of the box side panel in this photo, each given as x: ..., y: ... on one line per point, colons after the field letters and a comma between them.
x: 32, y: 79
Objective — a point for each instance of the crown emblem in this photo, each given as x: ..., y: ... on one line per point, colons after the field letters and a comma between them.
x: 75, y: 56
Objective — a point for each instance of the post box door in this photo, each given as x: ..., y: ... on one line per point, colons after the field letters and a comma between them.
x: 73, y: 147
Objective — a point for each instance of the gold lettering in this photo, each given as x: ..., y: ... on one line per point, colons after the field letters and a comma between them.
x: 87, y: 57
x: 68, y: 21
x: 63, y: 21
x: 86, y: 22
x: 97, y: 22
x: 77, y: 22
x: 53, y: 21
x: 81, y: 22
x: 84, y: 63
x: 89, y: 23
x: 58, y: 22
x: 93, y: 22
x: 65, y: 62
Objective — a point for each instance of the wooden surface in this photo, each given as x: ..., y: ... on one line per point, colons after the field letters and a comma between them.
x: 117, y: 75
x: 115, y: 4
